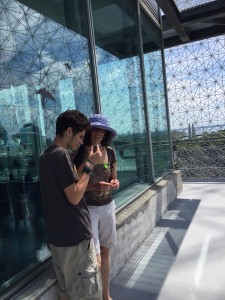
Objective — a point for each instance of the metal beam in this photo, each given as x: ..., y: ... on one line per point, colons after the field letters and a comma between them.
x: 196, y: 35
x: 203, y: 13
x: 170, y: 10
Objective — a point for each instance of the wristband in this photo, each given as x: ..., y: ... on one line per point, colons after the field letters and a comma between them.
x: 86, y: 170
x: 91, y: 162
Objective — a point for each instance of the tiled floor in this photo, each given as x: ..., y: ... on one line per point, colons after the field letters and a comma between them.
x: 175, y: 256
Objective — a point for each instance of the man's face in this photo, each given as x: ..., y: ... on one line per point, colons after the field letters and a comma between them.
x: 76, y: 139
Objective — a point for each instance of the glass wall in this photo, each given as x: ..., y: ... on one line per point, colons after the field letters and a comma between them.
x: 120, y: 85
x: 45, y: 69
x: 47, y: 65
x: 155, y: 89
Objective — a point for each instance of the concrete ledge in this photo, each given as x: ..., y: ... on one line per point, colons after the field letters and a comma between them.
x: 131, y: 211
x: 45, y: 287
x: 138, y: 219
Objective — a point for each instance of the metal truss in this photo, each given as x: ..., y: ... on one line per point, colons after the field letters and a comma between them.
x: 196, y: 93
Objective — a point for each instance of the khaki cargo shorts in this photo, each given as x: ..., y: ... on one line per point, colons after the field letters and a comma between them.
x: 77, y: 271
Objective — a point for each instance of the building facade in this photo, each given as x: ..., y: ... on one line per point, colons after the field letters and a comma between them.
x: 95, y: 56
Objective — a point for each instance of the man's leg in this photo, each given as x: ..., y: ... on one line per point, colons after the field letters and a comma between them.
x: 63, y: 298
x: 59, y: 274
x: 98, y: 256
x: 78, y: 265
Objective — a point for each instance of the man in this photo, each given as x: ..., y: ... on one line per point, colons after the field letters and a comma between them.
x: 66, y: 215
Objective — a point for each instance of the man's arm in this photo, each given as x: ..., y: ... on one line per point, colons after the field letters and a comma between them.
x: 75, y: 191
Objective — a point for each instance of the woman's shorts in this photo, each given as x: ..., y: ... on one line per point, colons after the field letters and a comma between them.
x: 103, y: 221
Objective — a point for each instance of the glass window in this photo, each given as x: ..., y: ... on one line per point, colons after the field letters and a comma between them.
x: 121, y: 94
x: 155, y: 89
x: 45, y: 69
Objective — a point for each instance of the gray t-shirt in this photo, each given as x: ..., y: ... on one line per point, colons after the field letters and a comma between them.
x: 66, y: 224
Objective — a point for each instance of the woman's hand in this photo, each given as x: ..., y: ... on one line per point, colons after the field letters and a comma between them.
x: 95, y: 157
x: 115, y: 184
x: 93, y: 187
x: 100, y: 186
x: 104, y: 186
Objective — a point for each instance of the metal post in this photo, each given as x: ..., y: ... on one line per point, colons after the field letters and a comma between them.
x: 151, y: 161
x: 166, y: 99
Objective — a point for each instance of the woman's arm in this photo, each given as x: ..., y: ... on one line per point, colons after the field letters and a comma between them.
x: 114, y: 181
x: 89, y: 158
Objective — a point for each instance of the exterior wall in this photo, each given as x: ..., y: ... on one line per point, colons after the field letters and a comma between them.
x: 134, y: 224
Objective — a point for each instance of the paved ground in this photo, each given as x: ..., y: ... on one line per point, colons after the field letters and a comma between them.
x: 184, y: 256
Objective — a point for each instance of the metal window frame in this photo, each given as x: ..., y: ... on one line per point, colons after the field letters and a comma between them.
x: 93, y: 62
x: 166, y: 100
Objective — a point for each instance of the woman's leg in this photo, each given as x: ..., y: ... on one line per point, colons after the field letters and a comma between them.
x: 107, y: 237
x: 105, y: 272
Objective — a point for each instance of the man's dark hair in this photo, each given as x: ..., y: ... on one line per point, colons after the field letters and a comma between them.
x: 72, y: 118
x: 106, y: 141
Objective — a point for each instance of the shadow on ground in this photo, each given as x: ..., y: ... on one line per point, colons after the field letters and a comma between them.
x: 143, y: 275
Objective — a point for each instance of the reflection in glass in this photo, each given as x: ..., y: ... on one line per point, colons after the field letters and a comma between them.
x: 152, y: 45
x: 45, y: 69
x: 121, y: 87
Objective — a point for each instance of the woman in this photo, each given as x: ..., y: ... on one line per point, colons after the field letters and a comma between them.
x: 98, y: 195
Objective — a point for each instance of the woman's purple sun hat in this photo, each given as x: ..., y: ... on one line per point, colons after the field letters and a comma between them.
x: 100, y: 121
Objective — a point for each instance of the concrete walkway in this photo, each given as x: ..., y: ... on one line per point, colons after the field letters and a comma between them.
x: 184, y: 256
